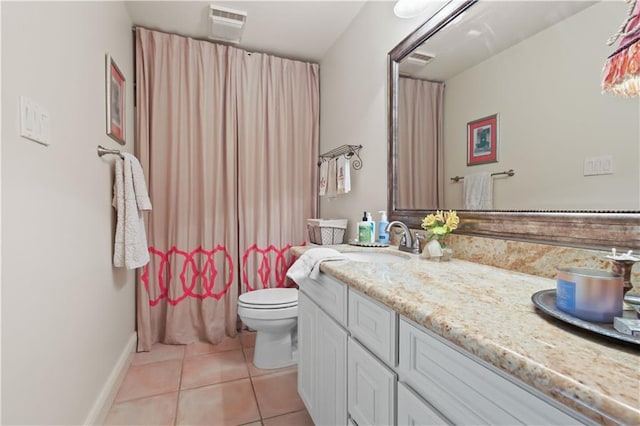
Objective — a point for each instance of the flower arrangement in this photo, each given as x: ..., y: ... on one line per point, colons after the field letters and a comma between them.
x: 440, y: 224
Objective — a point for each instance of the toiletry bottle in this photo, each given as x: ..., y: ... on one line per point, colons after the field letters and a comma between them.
x: 383, y: 236
x: 372, y: 227
x: 364, y: 230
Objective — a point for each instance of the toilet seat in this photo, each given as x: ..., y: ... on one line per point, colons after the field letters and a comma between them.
x: 270, y: 298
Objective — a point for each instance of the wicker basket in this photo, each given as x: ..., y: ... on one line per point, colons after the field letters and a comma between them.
x: 326, y: 231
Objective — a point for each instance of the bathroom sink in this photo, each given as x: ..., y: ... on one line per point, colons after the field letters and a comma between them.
x: 374, y: 257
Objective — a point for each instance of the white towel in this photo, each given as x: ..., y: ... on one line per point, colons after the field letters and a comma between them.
x: 130, y: 198
x: 343, y: 166
x: 477, y: 191
x: 324, y: 169
x: 332, y: 176
x: 308, y: 265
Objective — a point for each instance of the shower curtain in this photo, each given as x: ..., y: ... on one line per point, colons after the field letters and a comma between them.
x: 420, y: 139
x: 217, y: 169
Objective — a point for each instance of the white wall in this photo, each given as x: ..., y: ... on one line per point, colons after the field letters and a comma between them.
x: 552, y: 116
x: 66, y: 313
x: 353, y: 93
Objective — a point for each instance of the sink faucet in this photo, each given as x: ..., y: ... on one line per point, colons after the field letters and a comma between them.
x: 408, y: 243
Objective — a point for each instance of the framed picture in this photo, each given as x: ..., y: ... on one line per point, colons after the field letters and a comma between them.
x: 116, y: 98
x: 482, y: 141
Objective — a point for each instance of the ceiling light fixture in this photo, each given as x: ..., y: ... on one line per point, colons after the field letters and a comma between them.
x: 414, y: 8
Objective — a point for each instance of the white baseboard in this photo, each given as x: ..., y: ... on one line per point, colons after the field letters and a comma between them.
x: 107, y: 394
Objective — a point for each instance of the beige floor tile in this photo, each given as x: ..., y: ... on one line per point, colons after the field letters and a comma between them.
x: 201, y: 348
x: 213, y: 368
x: 253, y: 424
x: 150, y: 379
x: 159, y: 352
x: 248, y: 339
x: 277, y: 393
x: 230, y: 403
x: 255, y: 371
x: 155, y: 410
x: 299, y: 418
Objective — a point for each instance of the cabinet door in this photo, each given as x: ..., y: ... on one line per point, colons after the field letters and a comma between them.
x: 331, y: 344
x: 371, y: 388
x: 413, y: 411
x: 307, y: 320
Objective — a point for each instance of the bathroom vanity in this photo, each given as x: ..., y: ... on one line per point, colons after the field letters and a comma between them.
x: 421, y: 342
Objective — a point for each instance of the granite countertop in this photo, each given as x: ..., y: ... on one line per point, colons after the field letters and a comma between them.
x: 488, y: 312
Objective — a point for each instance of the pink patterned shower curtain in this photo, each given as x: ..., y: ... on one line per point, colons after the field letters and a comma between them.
x: 228, y: 140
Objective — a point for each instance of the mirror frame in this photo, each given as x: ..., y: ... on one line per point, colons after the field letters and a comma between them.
x: 584, y: 229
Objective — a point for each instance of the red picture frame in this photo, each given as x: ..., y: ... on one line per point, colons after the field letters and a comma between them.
x: 482, y: 141
x: 116, y: 101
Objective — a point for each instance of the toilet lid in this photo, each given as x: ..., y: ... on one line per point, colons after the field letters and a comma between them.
x: 270, y: 298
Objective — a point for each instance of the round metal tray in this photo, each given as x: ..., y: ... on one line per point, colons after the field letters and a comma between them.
x: 545, y: 300
x: 359, y: 244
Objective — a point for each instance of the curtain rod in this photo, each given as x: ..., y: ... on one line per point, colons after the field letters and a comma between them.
x: 134, y: 27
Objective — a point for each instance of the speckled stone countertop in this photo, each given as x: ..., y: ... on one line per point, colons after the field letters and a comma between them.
x: 488, y: 312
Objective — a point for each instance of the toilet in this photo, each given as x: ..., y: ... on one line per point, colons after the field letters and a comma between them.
x: 273, y: 313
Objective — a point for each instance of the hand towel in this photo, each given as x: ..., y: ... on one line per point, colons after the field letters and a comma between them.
x: 332, y: 177
x: 324, y: 169
x: 343, y: 166
x: 477, y: 191
x: 308, y: 265
x: 130, y: 198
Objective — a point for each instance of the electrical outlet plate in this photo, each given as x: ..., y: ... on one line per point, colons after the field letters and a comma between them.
x: 598, y: 166
x: 35, y: 121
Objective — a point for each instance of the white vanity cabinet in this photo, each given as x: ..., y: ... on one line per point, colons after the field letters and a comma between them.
x: 322, y: 353
x: 360, y: 363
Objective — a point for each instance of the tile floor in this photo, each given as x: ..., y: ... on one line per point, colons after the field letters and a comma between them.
x: 203, y: 384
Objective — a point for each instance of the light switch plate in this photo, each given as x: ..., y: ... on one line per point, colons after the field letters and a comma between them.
x: 35, y: 121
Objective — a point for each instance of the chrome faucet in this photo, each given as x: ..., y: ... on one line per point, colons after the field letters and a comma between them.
x: 408, y: 243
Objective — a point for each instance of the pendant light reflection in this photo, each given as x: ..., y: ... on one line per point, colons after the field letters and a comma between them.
x: 413, y: 8
x: 622, y: 68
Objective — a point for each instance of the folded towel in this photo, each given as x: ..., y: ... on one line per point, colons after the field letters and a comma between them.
x: 478, y: 191
x: 332, y: 176
x: 130, y: 198
x: 308, y: 265
x: 324, y: 169
x: 344, y: 175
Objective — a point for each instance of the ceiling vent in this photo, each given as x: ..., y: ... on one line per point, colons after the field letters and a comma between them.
x: 227, y: 24
x: 415, y: 62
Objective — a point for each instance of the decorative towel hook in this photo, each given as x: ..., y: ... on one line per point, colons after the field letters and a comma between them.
x: 349, y: 151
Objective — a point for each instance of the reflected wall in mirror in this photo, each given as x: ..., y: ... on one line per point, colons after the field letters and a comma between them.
x: 538, y: 66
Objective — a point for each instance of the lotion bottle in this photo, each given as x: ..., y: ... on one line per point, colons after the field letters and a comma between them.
x: 383, y: 236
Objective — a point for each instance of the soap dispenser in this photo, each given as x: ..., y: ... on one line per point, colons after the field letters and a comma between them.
x: 364, y: 230
x: 372, y: 227
x: 383, y: 235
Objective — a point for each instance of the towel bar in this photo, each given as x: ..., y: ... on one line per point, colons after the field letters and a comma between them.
x: 104, y: 151
x: 509, y: 173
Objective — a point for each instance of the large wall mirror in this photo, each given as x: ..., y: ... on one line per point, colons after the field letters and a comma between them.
x: 511, y: 90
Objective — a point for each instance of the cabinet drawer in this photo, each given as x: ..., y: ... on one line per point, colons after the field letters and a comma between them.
x: 370, y: 388
x: 464, y: 390
x: 329, y: 294
x: 413, y: 411
x: 375, y: 325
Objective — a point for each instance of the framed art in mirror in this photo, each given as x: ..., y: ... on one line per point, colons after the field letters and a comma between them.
x: 593, y: 224
x: 482, y: 141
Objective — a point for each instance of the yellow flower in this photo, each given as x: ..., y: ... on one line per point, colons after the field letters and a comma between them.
x: 452, y: 220
x: 428, y: 221
x: 439, y: 216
